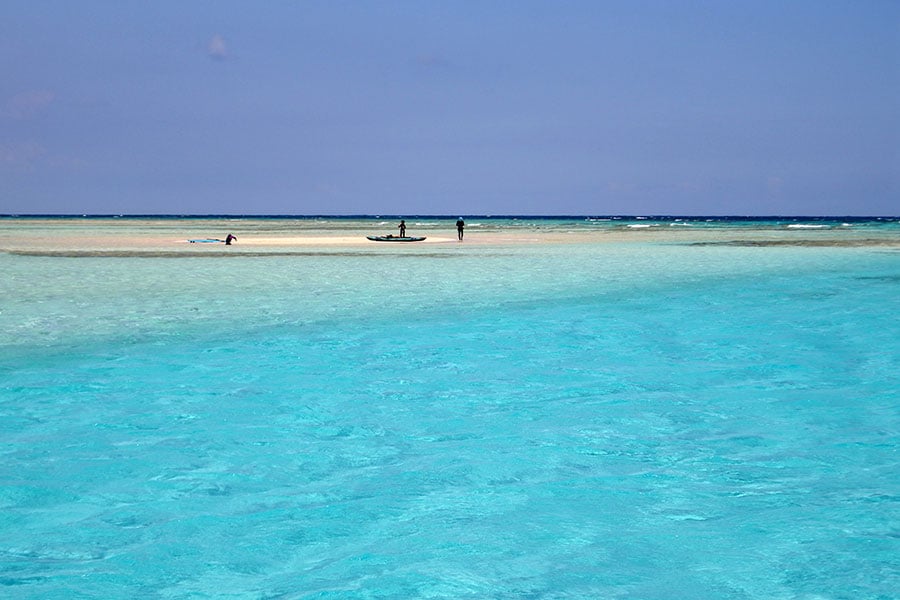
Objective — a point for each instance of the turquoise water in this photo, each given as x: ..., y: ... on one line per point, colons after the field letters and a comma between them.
x: 623, y: 420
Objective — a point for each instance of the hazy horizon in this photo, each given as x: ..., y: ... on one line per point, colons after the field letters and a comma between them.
x: 446, y: 216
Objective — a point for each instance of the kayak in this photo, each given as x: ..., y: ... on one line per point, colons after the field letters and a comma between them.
x: 393, y: 238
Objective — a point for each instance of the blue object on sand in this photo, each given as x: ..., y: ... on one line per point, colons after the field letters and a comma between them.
x: 205, y: 241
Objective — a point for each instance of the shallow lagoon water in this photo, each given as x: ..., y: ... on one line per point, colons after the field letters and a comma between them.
x: 619, y: 420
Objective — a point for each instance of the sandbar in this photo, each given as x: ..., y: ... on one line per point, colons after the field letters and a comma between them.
x: 260, y: 237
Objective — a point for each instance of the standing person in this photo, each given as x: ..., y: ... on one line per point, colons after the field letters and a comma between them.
x: 402, y: 228
x: 228, y: 239
x: 459, y: 228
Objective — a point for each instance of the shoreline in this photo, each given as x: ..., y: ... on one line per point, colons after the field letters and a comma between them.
x: 85, y: 247
x: 152, y: 237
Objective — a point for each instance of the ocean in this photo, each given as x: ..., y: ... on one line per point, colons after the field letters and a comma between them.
x: 607, y: 407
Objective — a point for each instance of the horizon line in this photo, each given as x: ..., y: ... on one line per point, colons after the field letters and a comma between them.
x: 437, y: 216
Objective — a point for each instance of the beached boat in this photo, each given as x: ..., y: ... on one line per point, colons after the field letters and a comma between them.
x: 393, y: 238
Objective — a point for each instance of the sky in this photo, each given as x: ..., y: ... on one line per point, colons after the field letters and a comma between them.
x: 419, y: 107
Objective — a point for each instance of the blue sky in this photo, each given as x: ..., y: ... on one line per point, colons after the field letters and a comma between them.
x: 417, y: 107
